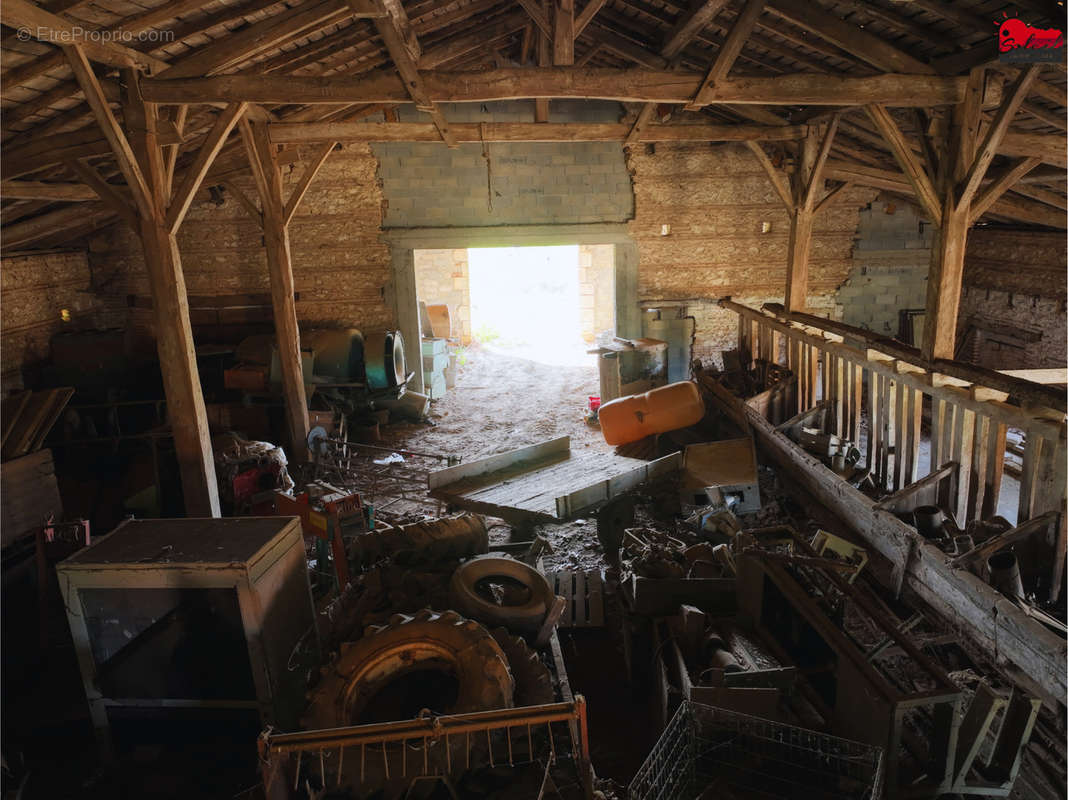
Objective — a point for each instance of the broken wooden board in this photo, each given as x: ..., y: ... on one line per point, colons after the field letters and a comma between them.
x: 584, y: 596
x: 537, y: 483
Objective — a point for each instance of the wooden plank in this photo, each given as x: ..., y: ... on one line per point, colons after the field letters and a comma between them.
x: 605, y: 83
x: 980, y: 453
x: 12, y: 407
x: 1004, y: 181
x: 595, y: 589
x: 25, y: 427
x: 1032, y: 448
x: 690, y: 23
x: 57, y: 401
x: 995, y: 468
x: 552, y: 449
x: 963, y: 454
x: 778, y: 182
x: 578, y: 600
x: 873, y: 424
x: 589, y: 11
x: 595, y: 494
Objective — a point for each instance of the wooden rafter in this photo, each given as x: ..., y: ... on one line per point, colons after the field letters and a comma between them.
x: 305, y: 181
x: 690, y: 23
x: 777, y: 180
x: 46, y: 190
x: 589, y: 11
x: 109, y: 193
x: 205, y: 156
x: 113, y: 132
x: 1004, y: 181
x: 400, y: 40
x: 48, y: 27
x: 729, y: 51
x: 919, y: 179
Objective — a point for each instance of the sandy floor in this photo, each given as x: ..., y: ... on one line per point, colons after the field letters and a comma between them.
x: 501, y: 403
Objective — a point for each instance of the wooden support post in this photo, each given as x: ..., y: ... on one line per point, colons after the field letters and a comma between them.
x: 800, y: 226
x: 263, y: 159
x: 544, y: 59
x: 174, y: 333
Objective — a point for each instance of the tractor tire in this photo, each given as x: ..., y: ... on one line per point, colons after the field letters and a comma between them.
x: 428, y: 640
x: 431, y: 541
x: 527, y: 614
x: 533, y: 682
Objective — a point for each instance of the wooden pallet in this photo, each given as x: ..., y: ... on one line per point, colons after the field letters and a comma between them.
x: 584, y: 593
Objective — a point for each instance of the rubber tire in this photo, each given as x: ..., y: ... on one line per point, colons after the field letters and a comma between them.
x: 389, y: 651
x: 533, y: 681
x: 527, y: 617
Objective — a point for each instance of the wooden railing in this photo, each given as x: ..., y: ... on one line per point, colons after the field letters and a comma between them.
x: 882, y: 391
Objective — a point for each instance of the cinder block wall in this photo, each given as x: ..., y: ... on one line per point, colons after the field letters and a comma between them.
x: 426, y: 184
x: 715, y: 199
x: 890, y: 263
x: 36, y: 288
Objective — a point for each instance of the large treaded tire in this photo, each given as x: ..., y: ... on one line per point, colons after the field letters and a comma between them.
x: 533, y: 681
x: 406, y: 644
x: 466, y: 599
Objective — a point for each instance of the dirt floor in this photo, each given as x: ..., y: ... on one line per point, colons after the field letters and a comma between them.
x: 501, y: 403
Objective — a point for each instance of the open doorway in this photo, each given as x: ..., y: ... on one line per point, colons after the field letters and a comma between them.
x: 522, y: 323
x: 544, y: 304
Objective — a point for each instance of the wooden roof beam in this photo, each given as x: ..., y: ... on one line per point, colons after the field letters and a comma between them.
x: 589, y: 11
x: 325, y: 132
x: 396, y: 32
x: 918, y: 178
x: 1004, y: 181
x: 634, y: 85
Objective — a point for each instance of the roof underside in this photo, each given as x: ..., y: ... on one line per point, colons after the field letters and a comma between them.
x: 44, y: 109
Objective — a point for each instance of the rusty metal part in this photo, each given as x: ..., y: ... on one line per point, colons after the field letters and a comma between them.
x: 442, y: 642
x: 448, y: 538
x: 525, y: 593
x: 533, y: 682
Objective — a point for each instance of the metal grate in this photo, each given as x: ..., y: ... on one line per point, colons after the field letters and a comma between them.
x: 704, y: 746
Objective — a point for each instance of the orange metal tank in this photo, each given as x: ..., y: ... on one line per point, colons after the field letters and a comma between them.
x: 667, y: 408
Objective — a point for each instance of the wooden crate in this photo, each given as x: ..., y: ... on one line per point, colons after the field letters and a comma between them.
x: 152, y: 599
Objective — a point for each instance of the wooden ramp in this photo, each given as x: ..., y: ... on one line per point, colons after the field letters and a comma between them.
x: 584, y: 593
x: 545, y: 482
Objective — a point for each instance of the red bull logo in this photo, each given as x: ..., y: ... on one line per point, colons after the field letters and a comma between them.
x: 1020, y: 42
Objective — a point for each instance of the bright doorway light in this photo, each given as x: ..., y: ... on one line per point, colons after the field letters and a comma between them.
x: 525, y: 302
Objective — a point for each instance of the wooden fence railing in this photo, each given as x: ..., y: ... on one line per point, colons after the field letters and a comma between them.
x: 877, y: 390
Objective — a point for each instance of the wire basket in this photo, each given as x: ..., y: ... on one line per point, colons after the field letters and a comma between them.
x: 704, y: 747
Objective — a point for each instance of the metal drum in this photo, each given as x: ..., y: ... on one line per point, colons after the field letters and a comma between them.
x: 384, y: 359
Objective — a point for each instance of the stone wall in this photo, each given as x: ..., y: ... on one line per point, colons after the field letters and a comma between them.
x: 441, y: 276
x: 36, y: 289
x: 715, y: 200
x: 428, y: 185
x: 1014, y: 283
x: 597, y: 287
x: 340, y: 266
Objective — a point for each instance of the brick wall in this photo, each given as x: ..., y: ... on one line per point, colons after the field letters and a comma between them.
x: 36, y: 288
x: 890, y: 263
x: 597, y: 287
x: 715, y: 198
x: 441, y: 276
x: 428, y: 185
x: 1014, y: 280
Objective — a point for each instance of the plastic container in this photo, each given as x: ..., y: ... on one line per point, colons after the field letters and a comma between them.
x: 667, y: 408
x: 595, y: 403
